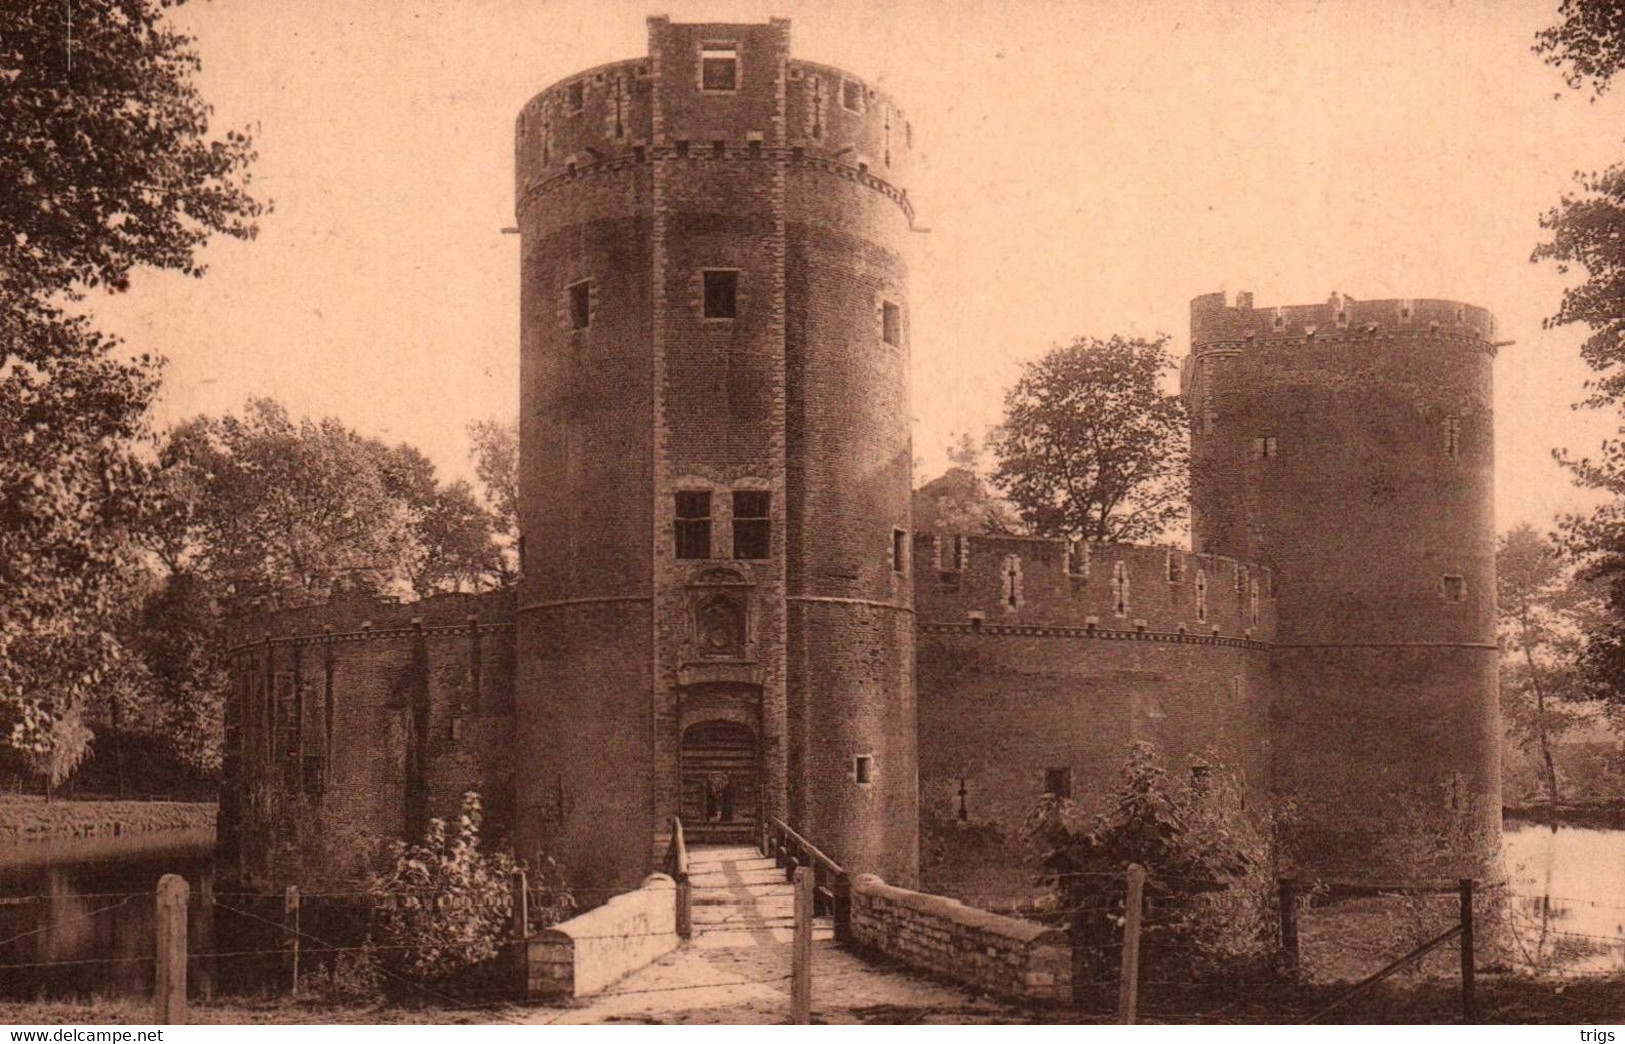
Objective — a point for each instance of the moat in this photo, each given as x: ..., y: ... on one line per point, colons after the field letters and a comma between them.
x: 71, y: 925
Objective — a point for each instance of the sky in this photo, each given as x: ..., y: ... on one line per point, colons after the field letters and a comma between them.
x: 1085, y: 168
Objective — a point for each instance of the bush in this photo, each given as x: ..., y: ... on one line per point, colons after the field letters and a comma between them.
x: 1210, y: 867
x: 447, y: 906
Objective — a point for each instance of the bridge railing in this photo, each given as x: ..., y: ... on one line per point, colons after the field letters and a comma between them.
x: 676, y: 866
x: 832, y: 885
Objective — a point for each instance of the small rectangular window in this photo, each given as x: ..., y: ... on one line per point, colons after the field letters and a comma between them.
x: 863, y: 768
x: 852, y: 95
x: 1176, y: 569
x: 1264, y: 447
x: 721, y: 294
x: 719, y: 67
x: 891, y: 324
x: 1058, y: 782
x: 899, y: 550
x: 1455, y: 589
x: 577, y: 95
x: 580, y: 305
x: 752, y: 526
x: 1452, y: 438
x: 693, y: 524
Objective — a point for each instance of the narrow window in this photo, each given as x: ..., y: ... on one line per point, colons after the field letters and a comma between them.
x: 693, y: 524
x: 964, y: 813
x: 891, y: 324
x: 1252, y: 607
x: 1201, y: 595
x: 721, y: 294
x: 581, y: 305
x: 752, y: 528
x: 1176, y: 569
x: 961, y: 551
x: 578, y: 95
x: 1058, y: 782
x: 1455, y: 589
x: 1012, y: 581
x: 899, y: 551
x: 719, y: 67
x: 852, y: 95
x: 1077, y: 558
x: 1452, y: 437
x: 1119, y: 589
x: 1264, y: 447
x: 863, y: 768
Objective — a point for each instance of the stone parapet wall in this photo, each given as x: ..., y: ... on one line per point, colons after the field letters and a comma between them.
x: 988, y: 951
x: 587, y: 953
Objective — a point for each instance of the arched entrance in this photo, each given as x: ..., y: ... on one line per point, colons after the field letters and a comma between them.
x: 721, y: 792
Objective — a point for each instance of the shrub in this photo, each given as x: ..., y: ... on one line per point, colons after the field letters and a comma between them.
x: 446, y: 906
x: 1210, y: 865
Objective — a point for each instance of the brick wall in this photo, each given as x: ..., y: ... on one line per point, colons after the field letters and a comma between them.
x: 986, y: 951
x: 636, y: 178
x: 1372, y: 502
x: 354, y: 722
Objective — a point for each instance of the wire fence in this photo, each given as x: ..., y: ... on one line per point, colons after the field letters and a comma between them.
x: 247, y: 936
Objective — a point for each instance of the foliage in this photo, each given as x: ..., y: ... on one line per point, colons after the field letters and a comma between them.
x: 494, y: 448
x: 1091, y: 446
x: 1210, y: 865
x: 447, y: 904
x: 959, y: 501
x: 107, y: 165
x: 1588, y: 44
x: 1543, y: 611
x: 1585, y: 230
x: 105, y: 149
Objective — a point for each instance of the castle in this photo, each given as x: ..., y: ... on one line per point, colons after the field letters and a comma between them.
x: 725, y: 614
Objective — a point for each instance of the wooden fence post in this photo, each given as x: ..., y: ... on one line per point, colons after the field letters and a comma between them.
x: 1289, y: 925
x: 801, y: 952
x: 1128, y: 985
x: 843, y: 907
x: 169, y: 942
x: 685, y: 907
x: 290, y: 936
x: 1469, y: 1005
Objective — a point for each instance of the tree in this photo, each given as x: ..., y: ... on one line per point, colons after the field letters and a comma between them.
x: 1091, y: 446
x: 495, y: 452
x: 1588, y: 44
x: 959, y: 500
x: 105, y: 165
x: 283, y: 512
x: 453, y: 546
x: 1542, y: 616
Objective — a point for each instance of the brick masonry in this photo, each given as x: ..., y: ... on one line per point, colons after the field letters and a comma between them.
x: 1331, y: 637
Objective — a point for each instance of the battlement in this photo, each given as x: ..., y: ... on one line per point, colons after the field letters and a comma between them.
x: 1077, y: 587
x: 1217, y: 323
x: 608, y: 117
x: 352, y: 616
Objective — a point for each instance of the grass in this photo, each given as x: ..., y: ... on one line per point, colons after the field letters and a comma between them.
x: 1501, y: 1000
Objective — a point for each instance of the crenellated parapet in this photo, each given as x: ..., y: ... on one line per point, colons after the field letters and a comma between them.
x: 608, y: 122
x: 1220, y: 325
x: 1036, y: 586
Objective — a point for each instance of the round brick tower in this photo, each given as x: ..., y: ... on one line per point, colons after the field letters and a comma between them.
x: 1349, y: 446
x: 715, y: 461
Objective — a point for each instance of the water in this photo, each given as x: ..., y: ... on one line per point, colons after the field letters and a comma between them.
x: 1567, y: 905
x: 76, y: 917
